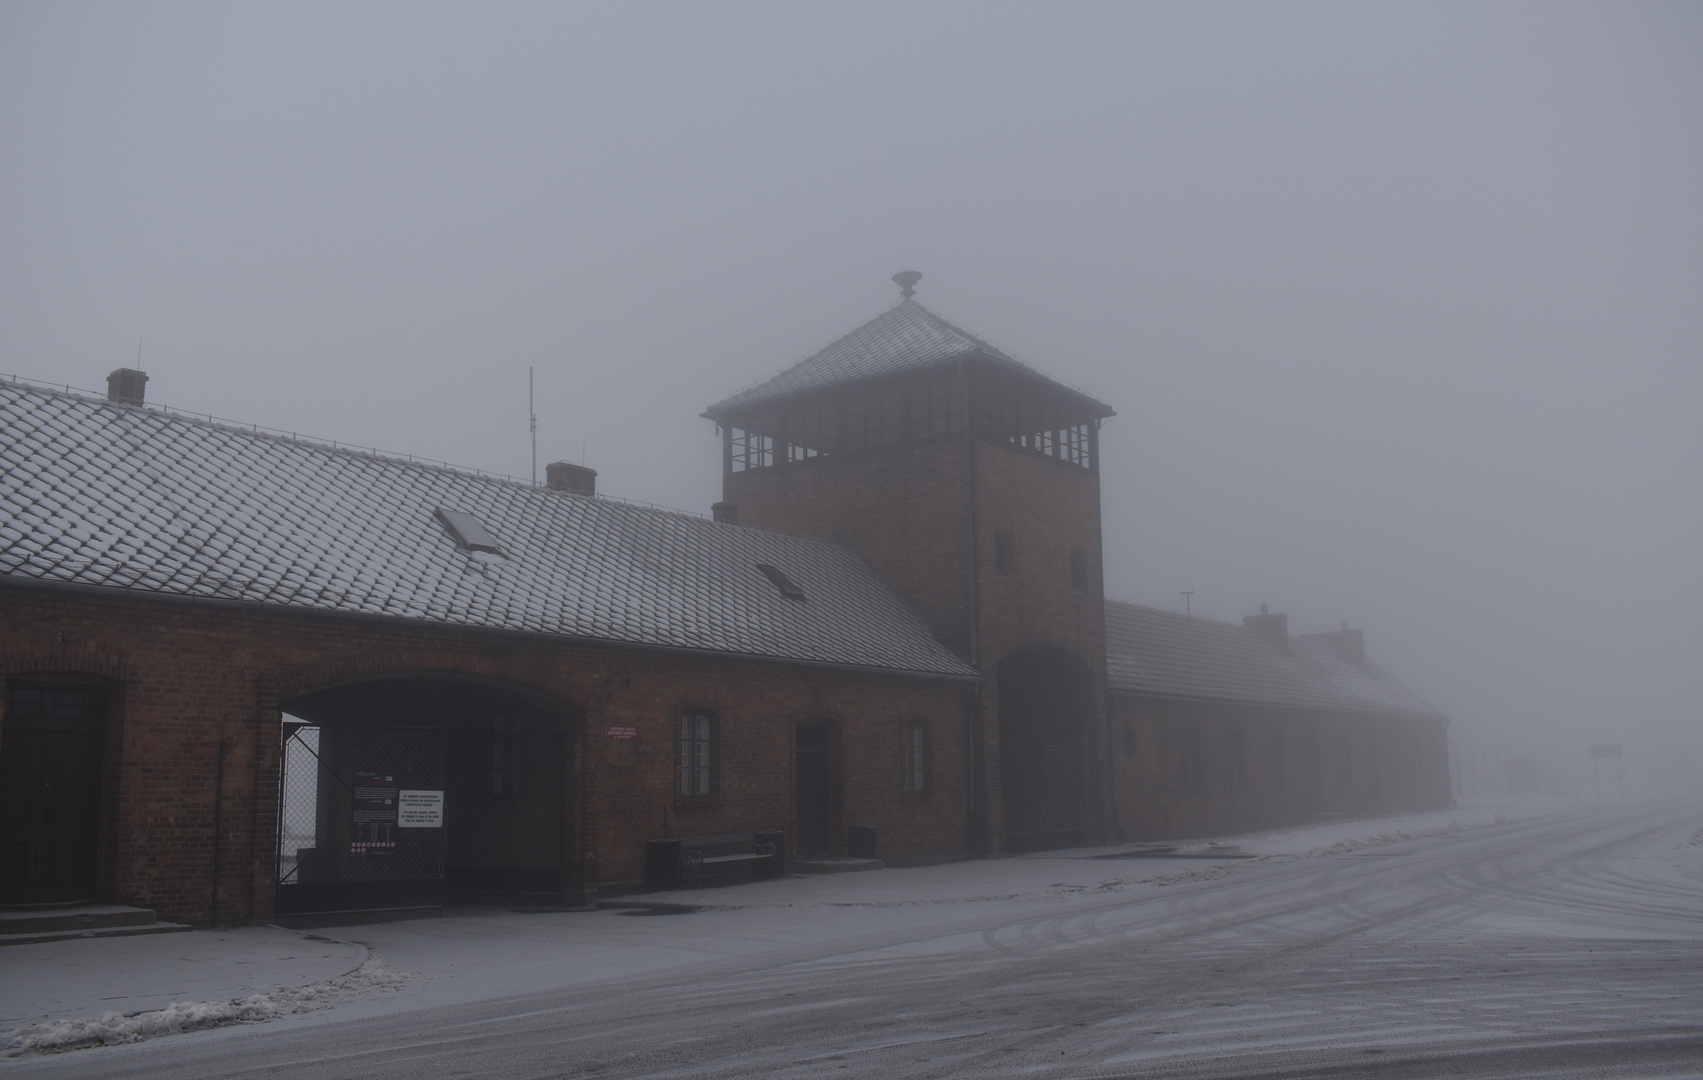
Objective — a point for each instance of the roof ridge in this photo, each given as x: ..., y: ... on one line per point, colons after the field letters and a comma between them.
x: 859, y: 328
x: 158, y: 503
x: 348, y: 449
x: 904, y: 337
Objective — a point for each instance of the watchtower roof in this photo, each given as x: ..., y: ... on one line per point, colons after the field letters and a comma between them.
x: 906, y: 337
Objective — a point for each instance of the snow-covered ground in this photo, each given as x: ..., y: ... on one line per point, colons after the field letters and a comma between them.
x: 65, y: 995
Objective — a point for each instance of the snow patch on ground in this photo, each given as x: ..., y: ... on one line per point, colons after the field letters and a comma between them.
x: 55, y: 1036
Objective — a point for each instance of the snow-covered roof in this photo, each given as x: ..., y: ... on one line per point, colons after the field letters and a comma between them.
x: 132, y: 499
x: 905, y: 337
x: 1168, y: 654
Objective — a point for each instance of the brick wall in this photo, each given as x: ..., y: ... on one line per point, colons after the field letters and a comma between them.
x: 906, y: 510
x: 1049, y: 508
x: 1205, y: 768
x: 186, y: 675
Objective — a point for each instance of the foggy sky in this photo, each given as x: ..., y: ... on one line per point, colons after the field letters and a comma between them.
x: 1401, y: 307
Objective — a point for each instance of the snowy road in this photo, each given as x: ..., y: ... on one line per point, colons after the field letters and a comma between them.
x: 1568, y: 946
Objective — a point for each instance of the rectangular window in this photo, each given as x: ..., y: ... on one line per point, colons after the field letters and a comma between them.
x: 1189, y: 738
x: 931, y: 408
x: 697, y: 752
x: 803, y: 433
x: 1004, y: 553
x: 914, y: 774
x: 892, y: 429
x: 751, y: 450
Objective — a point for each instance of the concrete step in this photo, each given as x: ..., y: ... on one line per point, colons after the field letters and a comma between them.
x: 832, y: 864
x: 58, y: 922
x: 102, y: 932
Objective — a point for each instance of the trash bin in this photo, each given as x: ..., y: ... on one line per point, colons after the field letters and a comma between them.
x: 662, y: 865
x: 860, y: 841
x: 775, y: 867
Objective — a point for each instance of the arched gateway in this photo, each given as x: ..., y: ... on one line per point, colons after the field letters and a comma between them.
x: 408, y: 790
x: 1044, y: 695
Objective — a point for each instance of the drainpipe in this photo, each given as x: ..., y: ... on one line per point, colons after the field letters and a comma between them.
x: 218, y: 824
x: 976, y: 793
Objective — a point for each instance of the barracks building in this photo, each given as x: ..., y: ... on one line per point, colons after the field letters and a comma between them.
x: 248, y: 675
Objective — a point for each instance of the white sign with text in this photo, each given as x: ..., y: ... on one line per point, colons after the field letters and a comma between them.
x: 418, y: 809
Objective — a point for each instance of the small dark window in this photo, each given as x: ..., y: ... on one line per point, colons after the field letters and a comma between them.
x: 468, y: 530
x: 1004, y: 552
x: 1190, y: 753
x: 697, y: 753
x: 914, y: 775
x: 1079, y: 570
x: 782, y: 582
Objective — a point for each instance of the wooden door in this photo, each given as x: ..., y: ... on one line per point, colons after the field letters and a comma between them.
x: 814, y: 801
x: 50, y: 795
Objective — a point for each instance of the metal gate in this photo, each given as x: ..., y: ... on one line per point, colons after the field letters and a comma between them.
x: 387, y: 817
x: 360, y: 818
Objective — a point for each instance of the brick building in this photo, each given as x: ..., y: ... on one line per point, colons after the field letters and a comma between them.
x: 1222, y: 728
x: 248, y: 674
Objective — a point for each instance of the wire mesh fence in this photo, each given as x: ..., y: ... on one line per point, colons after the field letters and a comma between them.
x: 361, y: 804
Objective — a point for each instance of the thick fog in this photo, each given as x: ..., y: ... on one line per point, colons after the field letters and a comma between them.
x: 1400, y: 306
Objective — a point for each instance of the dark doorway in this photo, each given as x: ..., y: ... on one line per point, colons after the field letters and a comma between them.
x: 1043, y: 700
x: 815, y: 778
x: 407, y: 792
x: 50, y: 793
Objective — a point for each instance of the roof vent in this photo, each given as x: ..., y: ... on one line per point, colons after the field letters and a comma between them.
x: 125, y: 386
x: 468, y: 531
x: 782, y: 582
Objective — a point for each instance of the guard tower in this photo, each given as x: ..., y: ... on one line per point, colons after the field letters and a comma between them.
x: 970, y: 482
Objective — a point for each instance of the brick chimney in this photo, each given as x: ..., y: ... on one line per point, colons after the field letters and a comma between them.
x: 1274, y: 627
x: 1348, y: 644
x: 571, y: 478
x: 125, y: 386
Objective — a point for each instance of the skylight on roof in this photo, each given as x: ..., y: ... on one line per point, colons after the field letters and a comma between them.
x: 782, y: 582
x: 468, y: 531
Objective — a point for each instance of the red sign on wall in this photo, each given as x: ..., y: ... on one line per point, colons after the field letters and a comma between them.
x: 625, y: 732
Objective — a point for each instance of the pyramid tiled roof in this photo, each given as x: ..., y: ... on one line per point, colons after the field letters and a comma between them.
x: 139, y: 501
x: 905, y: 337
x: 1167, y: 654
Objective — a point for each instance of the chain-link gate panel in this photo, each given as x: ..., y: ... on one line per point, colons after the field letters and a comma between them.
x: 360, y: 806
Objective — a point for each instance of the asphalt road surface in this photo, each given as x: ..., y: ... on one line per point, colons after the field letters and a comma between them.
x: 1564, y: 947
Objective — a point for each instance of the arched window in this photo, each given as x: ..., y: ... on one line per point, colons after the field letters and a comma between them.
x: 914, y: 774
x: 696, y: 753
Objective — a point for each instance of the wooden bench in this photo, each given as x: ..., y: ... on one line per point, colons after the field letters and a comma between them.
x: 698, y: 852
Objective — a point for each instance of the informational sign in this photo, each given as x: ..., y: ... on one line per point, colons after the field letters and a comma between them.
x: 374, y: 831
x: 1606, y: 750
x: 417, y: 809
x: 623, y: 732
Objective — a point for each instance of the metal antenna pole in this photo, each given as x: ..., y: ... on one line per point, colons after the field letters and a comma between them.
x: 1188, y: 604
x: 532, y: 417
